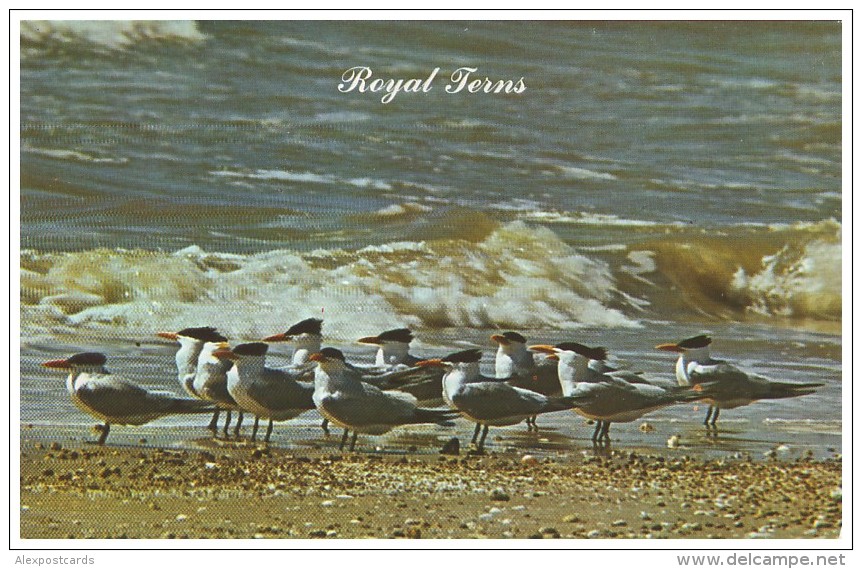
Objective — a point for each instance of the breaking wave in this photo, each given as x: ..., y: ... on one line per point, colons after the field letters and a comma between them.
x: 783, y: 271
x: 106, y: 34
x: 513, y: 276
x: 516, y: 277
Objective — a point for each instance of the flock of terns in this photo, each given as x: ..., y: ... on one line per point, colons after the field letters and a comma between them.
x: 400, y: 389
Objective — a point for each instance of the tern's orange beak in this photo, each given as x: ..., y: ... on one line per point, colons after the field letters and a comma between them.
x: 553, y: 357
x: 225, y: 353
x: 435, y: 362
x: 500, y: 339
x: 167, y: 335
x: 369, y: 340
x: 57, y: 364
x: 669, y: 348
x: 277, y: 338
x: 316, y: 357
x: 544, y: 349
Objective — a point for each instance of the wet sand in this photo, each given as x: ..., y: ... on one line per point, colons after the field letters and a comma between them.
x: 72, y: 490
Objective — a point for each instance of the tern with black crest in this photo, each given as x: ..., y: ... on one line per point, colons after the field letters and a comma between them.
x: 211, y: 382
x: 305, y: 338
x: 488, y: 402
x: 393, y: 355
x: 115, y: 400
x: 725, y: 386
x: 518, y: 366
x: 341, y: 396
x: 609, y: 395
x: 191, y: 341
x: 272, y: 394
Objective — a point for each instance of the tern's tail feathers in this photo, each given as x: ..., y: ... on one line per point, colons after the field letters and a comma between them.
x: 783, y: 390
x: 686, y: 394
x: 564, y: 403
x: 404, y: 378
x: 442, y: 417
x: 188, y: 406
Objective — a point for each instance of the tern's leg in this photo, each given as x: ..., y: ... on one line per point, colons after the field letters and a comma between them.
x: 482, y: 440
x: 105, y: 430
x: 714, y: 417
x: 343, y: 439
x: 596, y: 431
x: 268, y: 431
x: 708, y: 415
x: 254, y: 428
x: 353, y: 441
x: 325, y: 426
x: 238, y: 425
x: 605, y: 429
x: 476, y: 433
x: 226, y: 422
x: 213, y: 426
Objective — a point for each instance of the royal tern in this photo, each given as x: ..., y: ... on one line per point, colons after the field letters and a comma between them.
x: 191, y: 341
x: 517, y: 365
x: 393, y: 355
x: 272, y: 394
x: 115, y: 400
x: 341, y: 397
x: 305, y: 338
x: 609, y: 395
x: 211, y: 383
x: 726, y: 386
x: 487, y: 402
x: 393, y: 348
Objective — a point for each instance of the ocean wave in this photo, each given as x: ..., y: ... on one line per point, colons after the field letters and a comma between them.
x: 795, y: 281
x: 74, y: 155
x: 398, y: 210
x: 107, y: 34
x: 584, y: 173
x: 589, y: 218
x: 286, y: 175
x: 485, y: 275
x: 515, y: 277
x: 789, y: 271
x: 304, y: 177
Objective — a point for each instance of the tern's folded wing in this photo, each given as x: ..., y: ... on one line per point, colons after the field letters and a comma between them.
x: 492, y: 400
x: 116, y: 397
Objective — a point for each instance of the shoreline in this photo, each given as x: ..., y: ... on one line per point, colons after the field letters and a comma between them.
x: 72, y: 490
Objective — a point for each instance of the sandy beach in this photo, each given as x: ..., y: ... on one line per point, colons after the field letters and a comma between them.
x: 72, y: 490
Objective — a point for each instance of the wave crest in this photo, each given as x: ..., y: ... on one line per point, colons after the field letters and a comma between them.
x: 517, y: 277
x: 788, y: 271
x: 107, y: 34
x: 491, y: 276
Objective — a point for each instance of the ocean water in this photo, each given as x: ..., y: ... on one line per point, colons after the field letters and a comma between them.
x: 653, y: 180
